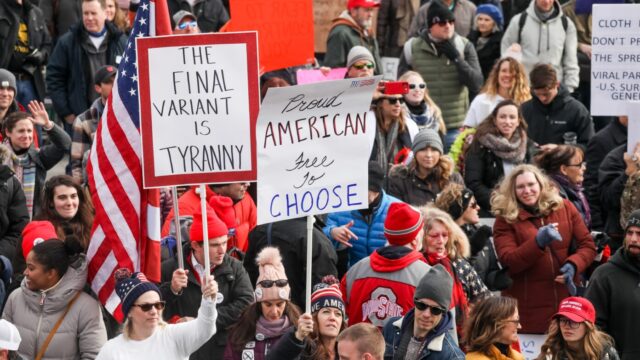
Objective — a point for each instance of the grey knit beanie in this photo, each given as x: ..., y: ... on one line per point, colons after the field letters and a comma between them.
x: 358, y: 53
x: 633, y: 219
x: 7, y: 79
x: 436, y: 285
x: 427, y: 137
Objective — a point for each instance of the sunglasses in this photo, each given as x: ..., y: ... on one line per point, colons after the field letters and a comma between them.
x: 186, y: 24
x: 270, y: 283
x: 362, y: 66
x: 421, y: 86
x: 394, y: 101
x: 445, y: 22
x: 580, y: 165
x: 473, y: 205
x: 146, y: 307
x: 433, y: 309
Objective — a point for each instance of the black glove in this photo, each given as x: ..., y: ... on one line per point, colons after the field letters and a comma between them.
x: 601, y: 240
x: 36, y: 57
x: 448, y: 49
x: 479, y: 239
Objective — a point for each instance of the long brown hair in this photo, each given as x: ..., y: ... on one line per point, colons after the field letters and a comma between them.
x: 319, y: 350
x: 594, y: 343
x: 380, y: 117
x: 244, y: 330
x: 442, y: 171
x: 80, y: 224
x: 486, y: 321
x: 488, y: 125
x: 520, y: 91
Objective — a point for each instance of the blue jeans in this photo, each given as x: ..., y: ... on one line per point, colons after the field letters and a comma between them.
x: 449, y: 138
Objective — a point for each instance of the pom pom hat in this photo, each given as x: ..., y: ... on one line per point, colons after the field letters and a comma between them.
x: 327, y: 294
x: 271, y: 275
x: 130, y: 287
x: 36, y: 232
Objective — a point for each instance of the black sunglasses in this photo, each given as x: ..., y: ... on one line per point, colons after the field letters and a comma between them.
x: 433, y: 309
x: 362, y: 66
x: 394, y: 101
x: 445, y: 22
x: 146, y: 307
x: 421, y: 86
x: 270, y: 283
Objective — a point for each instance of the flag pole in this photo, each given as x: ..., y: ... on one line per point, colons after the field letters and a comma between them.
x: 205, y: 228
x: 176, y: 220
x: 310, y: 220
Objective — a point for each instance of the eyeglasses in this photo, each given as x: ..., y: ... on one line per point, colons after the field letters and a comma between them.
x: 581, y: 165
x: 568, y: 323
x: 414, y: 86
x: 186, y: 24
x: 474, y: 205
x: 270, y: 283
x: 515, y: 322
x: 146, y: 307
x: 362, y: 66
x: 433, y: 309
x: 445, y: 22
x: 394, y: 101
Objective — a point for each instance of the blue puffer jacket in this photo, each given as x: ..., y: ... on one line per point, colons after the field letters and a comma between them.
x: 370, y: 232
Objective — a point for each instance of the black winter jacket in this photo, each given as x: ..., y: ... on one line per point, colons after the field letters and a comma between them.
x: 548, y: 123
x: 408, y: 187
x: 489, y: 53
x: 611, y: 181
x: 210, y: 14
x: 66, y: 78
x: 13, y: 212
x: 290, y: 237
x: 233, y: 284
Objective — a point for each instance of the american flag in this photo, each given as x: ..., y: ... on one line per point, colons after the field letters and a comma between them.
x: 126, y: 230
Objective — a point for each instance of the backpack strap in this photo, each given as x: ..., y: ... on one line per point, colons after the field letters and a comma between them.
x: 521, y: 21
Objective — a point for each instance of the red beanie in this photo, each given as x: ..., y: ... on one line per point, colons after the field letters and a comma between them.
x: 215, y: 227
x: 403, y: 223
x: 223, y: 205
x: 36, y: 232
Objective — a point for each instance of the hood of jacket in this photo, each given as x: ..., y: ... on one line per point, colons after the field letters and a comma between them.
x: 5, y: 154
x: 393, y: 258
x: 531, y: 11
x: 57, y: 297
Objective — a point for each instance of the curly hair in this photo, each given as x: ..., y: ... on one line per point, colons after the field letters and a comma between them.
x: 451, y: 193
x: 593, y: 347
x: 550, y: 160
x: 458, y: 244
x: 520, y: 91
x: 488, y: 125
x: 486, y: 322
x: 504, y: 201
x: 437, y: 112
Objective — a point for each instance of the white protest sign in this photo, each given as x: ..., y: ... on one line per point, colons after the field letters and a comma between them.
x: 199, y: 103
x: 615, y: 60
x: 313, y: 148
x: 390, y: 68
x: 530, y: 345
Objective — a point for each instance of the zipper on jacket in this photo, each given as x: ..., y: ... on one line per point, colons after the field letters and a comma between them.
x: 42, y: 297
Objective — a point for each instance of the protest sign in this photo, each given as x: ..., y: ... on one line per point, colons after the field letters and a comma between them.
x: 615, y: 60
x: 285, y: 30
x: 530, y: 345
x: 390, y: 68
x: 313, y: 148
x: 311, y: 76
x: 199, y: 101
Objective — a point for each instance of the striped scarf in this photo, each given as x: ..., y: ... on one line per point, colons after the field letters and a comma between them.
x: 25, y: 170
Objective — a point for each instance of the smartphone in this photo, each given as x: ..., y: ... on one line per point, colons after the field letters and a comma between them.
x: 396, y: 88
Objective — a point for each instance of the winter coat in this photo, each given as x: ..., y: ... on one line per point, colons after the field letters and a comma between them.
x: 38, y: 35
x: 345, y: 34
x: 609, y: 353
x: 546, y: 42
x: 614, y: 290
x: 210, y: 14
x: 34, y: 313
x: 464, y: 13
x: 611, y: 181
x: 84, y: 129
x: 290, y: 236
x: 14, y: 215
x: 485, y: 260
x: 548, y: 123
x: 405, y: 184
x: 382, y: 285
x: 489, y: 53
x: 253, y: 350
x: 369, y: 230
x: 67, y: 80
x: 234, y: 285
x: 442, y: 347
x: 483, y: 171
x: 513, y: 355
x: 290, y: 348
x: 533, y: 269
x: 394, y: 19
x: 605, y: 140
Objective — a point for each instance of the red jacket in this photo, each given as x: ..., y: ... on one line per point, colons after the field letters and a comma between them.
x: 245, y: 209
x: 382, y: 285
x: 533, y: 270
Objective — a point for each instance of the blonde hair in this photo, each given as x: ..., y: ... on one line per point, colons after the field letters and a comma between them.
x: 594, y: 343
x: 452, y: 193
x: 442, y: 170
x: 437, y: 113
x: 520, y: 91
x: 127, y: 327
x: 458, y: 244
x: 504, y: 201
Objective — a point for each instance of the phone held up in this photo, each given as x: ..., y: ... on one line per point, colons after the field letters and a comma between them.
x: 396, y: 88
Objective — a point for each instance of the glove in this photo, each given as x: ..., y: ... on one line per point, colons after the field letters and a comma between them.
x: 601, y: 239
x: 568, y: 272
x: 546, y: 235
x: 448, y: 49
x: 479, y: 239
x: 36, y: 57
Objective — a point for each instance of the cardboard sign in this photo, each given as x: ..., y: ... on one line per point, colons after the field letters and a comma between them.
x: 313, y: 148
x: 530, y: 345
x: 285, y: 30
x: 313, y: 76
x: 390, y: 68
x: 199, y: 102
x: 615, y: 61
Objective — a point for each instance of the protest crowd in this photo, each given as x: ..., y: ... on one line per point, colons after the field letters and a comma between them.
x: 498, y: 206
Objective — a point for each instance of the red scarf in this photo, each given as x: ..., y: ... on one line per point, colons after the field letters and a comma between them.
x: 458, y: 297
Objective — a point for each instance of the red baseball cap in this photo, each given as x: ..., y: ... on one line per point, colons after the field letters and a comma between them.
x: 577, y: 309
x: 352, y: 4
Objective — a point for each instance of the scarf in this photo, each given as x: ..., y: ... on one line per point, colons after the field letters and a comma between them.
x: 25, y: 170
x: 423, y: 116
x: 271, y: 329
x: 513, y: 150
x: 575, y: 193
x: 459, y: 299
x: 387, y: 146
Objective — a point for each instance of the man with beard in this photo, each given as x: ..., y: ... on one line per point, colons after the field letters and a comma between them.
x: 615, y: 292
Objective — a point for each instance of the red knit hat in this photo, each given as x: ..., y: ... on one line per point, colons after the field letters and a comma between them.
x: 36, y: 232
x: 403, y: 223
x: 577, y: 309
x: 352, y: 4
x: 215, y: 226
x: 223, y: 205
